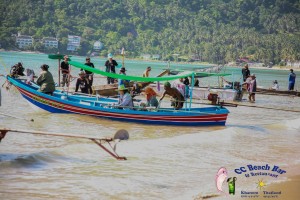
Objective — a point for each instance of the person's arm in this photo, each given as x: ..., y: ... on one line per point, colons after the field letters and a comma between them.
x: 163, y: 96
x: 41, y: 79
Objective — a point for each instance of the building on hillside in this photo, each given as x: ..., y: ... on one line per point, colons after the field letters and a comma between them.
x: 156, y: 56
x: 98, y: 46
x: 24, y: 40
x: 73, y: 42
x: 294, y: 64
x: 146, y: 56
x: 50, y: 42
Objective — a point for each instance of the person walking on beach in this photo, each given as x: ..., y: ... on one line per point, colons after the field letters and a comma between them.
x: 252, y: 88
x: 110, y: 65
x: 245, y: 72
x: 292, y: 80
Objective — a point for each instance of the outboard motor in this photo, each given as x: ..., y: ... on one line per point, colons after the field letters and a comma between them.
x: 213, y: 97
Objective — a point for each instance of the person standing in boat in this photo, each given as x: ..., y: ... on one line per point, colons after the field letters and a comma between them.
x: 45, y: 81
x: 147, y: 72
x: 178, y: 98
x: 122, y: 81
x: 252, y: 88
x: 64, y: 67
x: 110, y: 65
x: 88, y: 74
x: 125, y: 99
x: 83, y: 83
x: 245, y: 72
x: 292, y: 80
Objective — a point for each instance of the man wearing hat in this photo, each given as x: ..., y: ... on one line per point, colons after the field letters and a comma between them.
x: 178, y: 98
x: 83, y: 83
x: 88, y: 74
x: 122, y: 81
x: 110, y: 65
x: 64, y: 67
x: 45, y: 81
x: 125, y: 99
x: 292, y: 80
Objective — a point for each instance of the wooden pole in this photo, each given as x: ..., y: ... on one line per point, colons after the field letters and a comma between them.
x: 98, y: 141
x: 58, y: 72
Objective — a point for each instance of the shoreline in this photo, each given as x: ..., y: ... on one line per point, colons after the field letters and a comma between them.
x: 173, y: 62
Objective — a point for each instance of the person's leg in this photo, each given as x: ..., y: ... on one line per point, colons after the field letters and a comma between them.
x: 63, y: 82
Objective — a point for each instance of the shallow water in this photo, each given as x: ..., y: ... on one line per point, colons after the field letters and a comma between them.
x: 164, y: 162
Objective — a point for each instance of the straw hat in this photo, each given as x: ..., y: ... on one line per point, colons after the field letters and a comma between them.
x: 253, y: 75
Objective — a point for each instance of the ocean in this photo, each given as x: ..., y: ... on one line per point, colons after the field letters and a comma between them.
x: 163, y: 162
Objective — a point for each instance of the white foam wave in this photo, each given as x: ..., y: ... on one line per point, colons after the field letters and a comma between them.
x: 293, y: 124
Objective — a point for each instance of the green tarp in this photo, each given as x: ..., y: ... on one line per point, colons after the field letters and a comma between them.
x: 125, y: 77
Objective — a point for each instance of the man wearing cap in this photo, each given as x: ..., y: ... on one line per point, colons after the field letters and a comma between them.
x: 45, y: 81
x: 292, y: 80
x: 147, y: 72
x: 125, y: 99
x: 83, y: 83
x: 64, y: 67
x: 110, y: 65
x: 178, y: 98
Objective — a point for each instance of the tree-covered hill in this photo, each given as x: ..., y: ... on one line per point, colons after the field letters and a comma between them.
x: 216, y: 31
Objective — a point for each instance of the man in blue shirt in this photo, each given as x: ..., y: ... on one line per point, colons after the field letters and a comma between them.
x: 292, y: 79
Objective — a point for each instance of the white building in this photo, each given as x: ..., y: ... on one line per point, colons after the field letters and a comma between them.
x: 73, y: 42
x: 50, y: 42
x: 24, y: 41
x: 98, y: 45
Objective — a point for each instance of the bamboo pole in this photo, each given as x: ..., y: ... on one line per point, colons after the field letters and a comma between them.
x: 98, y: 141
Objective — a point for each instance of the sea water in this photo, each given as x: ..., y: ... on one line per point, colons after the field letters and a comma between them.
x: 163, y: 162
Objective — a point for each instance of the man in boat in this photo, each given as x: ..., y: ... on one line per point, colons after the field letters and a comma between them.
x: 64, y: 67
x: 178, y: 98
x: 151, y: 97
x: 125, y: 99
x: 122, y: 81
x: 245, y: 72
x: 110, y: 65
x: 292, y: 80
x: 17, y: 70
x: 45, y: 81
x: 83, y: 83
x: 147, y: 72
x: 88, y: 74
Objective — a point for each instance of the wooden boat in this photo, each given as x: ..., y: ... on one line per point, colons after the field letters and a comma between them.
x: 62, y: 102
x: 277, y: 92
x: 111, y: 90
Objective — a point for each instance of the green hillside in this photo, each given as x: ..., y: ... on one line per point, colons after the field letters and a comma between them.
x: 215, y: 31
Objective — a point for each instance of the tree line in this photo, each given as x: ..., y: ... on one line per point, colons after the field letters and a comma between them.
x: 218, y: 31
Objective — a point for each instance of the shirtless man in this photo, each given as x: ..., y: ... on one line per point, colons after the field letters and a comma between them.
x: 173, y: 92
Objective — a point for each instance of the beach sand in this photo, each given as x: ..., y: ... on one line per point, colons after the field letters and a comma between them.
x: 290, y: 189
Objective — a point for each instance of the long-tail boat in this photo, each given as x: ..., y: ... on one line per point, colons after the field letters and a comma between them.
x: 62, y: 102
